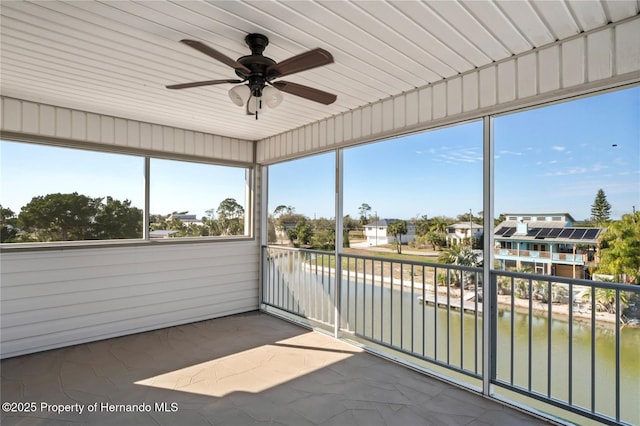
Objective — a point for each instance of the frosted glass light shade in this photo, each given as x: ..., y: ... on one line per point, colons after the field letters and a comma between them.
x: 256, y: 104
x: 239, y: 94
x: 271, y: 96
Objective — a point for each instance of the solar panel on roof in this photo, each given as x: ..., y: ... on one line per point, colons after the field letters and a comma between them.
x: 555, y: 232
x: 578, y: 233
x: 533, y: 232
x: 565, y: 233
x: 509, y: 232
x: 501, y: 230
x: 591, y: 234
x: 544, y: 232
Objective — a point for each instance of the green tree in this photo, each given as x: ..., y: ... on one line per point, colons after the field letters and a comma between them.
x: 605, y: 299
x: 436, y: 239
x: 117, y: 219
x: 365, y: 210
x: 59, y: 217
x: 422, y: 225
x: 439, y: 223
x: 157, y: 222
x: 230, y: 217
x: 600, y: 209
x: 348, y: 225
x: 397, y: 228
x: 178, y: 226
x: 459, y: 255
x: 620, y: 249
x: 8, y: 225
x: 282, y: 210
x: 301, y: 233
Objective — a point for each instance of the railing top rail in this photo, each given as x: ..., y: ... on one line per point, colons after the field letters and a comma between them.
x: 567, y: 280
x: 374, y: 257
x: 296, y: 249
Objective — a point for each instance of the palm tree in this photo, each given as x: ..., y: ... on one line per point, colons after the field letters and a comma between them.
x: 398, y: 229
x: 438, y: 224
x: 459, y: 255
x: 605, y: 300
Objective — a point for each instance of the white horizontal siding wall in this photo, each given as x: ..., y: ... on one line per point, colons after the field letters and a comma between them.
x: 60, y: 297
x: 57, y: 298
x: 42, y: 121
x: 596, y: 60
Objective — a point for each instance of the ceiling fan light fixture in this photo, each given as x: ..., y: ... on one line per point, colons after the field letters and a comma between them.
x: 271, y: 96
x: 240, y: 94
x: 256, y: 105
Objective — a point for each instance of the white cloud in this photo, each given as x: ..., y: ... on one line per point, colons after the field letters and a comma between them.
x: 558, y: 148
x: 458, y: 156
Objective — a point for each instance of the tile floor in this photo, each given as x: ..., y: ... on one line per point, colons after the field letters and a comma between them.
x: 249, y: 369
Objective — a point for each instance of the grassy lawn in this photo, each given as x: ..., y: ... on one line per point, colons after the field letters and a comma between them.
x: 391, y: 255
x: 329, y: 260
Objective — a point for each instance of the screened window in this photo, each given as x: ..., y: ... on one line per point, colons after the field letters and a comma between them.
x: 54, y: 194
x: 197, y: 200
x: 430, y: 180
x: 301, y: 210
x: 60, y: 194
x: 556, y: 158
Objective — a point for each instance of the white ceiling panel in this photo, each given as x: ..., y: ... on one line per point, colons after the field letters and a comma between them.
x: 116, y: 57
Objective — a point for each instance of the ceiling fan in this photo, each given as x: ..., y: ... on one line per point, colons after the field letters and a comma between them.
x: 256, y: 72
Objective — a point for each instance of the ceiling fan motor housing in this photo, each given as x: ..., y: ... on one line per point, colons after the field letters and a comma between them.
x: 257, y: 63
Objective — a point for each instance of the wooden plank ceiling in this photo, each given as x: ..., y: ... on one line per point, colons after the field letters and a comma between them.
x: 115, y: 57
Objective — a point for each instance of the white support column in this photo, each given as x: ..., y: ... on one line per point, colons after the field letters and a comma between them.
x: 488, y: 322
x: 339, y: 239
x: 264, y: 232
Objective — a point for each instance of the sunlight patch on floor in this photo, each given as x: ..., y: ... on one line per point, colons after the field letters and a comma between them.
x: 256, y: 369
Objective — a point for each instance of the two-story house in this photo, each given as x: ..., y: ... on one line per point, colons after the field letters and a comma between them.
x: 546, y: 243
x: 457, y: 233
x: 376, y: 232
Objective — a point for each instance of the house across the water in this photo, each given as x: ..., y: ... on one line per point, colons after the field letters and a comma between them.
x: 376, y: 232
x: 545, y: 243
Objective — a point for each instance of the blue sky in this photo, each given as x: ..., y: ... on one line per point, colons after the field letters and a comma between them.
x: 547, y: 159
x: 30, y: 170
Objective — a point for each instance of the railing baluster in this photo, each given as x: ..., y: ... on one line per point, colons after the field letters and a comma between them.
x: 373, y: 298
x: 355, y: 302
x: 549, y: 321
x: 412, y: 303
x: 461, y: 320
x: 618, y: 355
x: 593, y: 349
x: 529, y: 359
x: 448, y: 316
x: 382, y: 321
x: 435, y: 314
x: 512, y: 315
x: 364, y: 306
x: 570, y: 363
x: 401, y: 306
x: 475, y: 320
x: 391, y: 305
x: 424, y: 307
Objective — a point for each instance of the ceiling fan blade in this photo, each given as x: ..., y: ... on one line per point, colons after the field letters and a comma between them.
x: 201, y: 83
x: 216, y: 55
x: 302, y: 62
x: 305, y: 92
